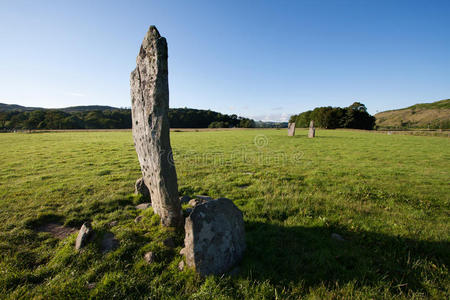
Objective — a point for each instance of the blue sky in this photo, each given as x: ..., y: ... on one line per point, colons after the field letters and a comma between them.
x: 260, y: 59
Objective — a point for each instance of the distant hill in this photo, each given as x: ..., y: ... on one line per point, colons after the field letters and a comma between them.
x: 423, y: 115
x: 87, y: 108
x: 15, y: 107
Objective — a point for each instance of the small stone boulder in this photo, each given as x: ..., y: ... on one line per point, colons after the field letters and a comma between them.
x: 215, y: 237
x: 149, y: 257
x: 199, y: 199
x: 143, y: 206
x: 84, y: 235
x: 141, y: 188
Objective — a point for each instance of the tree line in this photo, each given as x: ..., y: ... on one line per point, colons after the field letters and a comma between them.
x: 114, y: 119
x: 354, y: 116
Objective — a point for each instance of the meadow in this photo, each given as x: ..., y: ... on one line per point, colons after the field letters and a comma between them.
x: 386, y: 196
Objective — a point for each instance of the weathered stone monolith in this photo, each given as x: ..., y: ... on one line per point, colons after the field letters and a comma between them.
x: 149, y: 112
x: 291, y: 129
x: 312, y: 130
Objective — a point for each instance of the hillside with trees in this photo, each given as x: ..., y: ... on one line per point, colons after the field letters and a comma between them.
x: 435, y: 115
x: 354, y: 116
x: 106, y: 117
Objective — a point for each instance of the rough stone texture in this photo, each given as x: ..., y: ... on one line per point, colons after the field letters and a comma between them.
x: 312, y: 130
x: 149, y: 111
x: 215, y: 237
x: 291, y: 129
x: 141, y: 188
x: 84, y: 235
x: 143, y: 206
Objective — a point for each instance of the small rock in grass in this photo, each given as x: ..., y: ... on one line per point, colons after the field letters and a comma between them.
x: 337, y: 237
x: 113, y: 223
x: 181, y: 265
x: 141, y: 188
x: 91, y: 285
x: 149, y: 257
x: 143, y: 205
x: 184, y: 199
x: 169, y: 242
x: 199, y: 200
x: 138, y: 219
x: 84, y: 235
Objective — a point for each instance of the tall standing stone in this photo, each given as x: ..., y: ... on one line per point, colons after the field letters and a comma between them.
x: 150, y: 121
x: 312, y: 130
x: 291, y: 129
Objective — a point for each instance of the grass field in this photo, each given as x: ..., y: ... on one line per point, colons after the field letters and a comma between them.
x: 386, y: 195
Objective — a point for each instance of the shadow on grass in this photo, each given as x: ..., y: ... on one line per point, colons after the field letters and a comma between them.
x: 311, y: 256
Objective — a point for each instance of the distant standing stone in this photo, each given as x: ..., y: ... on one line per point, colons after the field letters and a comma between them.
x: 215, y: 237
x: 312, y: 130
x: 141, y: 189
x: 149, y: 84
x: 84, y: 235
x: 291, y: 129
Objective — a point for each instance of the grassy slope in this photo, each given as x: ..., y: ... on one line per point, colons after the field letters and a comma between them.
x: 388, y: 196
x: 419, y: 115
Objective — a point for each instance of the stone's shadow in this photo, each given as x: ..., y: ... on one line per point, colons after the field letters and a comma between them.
x: 310, y: 256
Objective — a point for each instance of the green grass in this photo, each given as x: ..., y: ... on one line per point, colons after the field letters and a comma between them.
x: 387, y: 195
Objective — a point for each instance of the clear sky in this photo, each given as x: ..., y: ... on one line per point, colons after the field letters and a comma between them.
x: 260, y: 59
